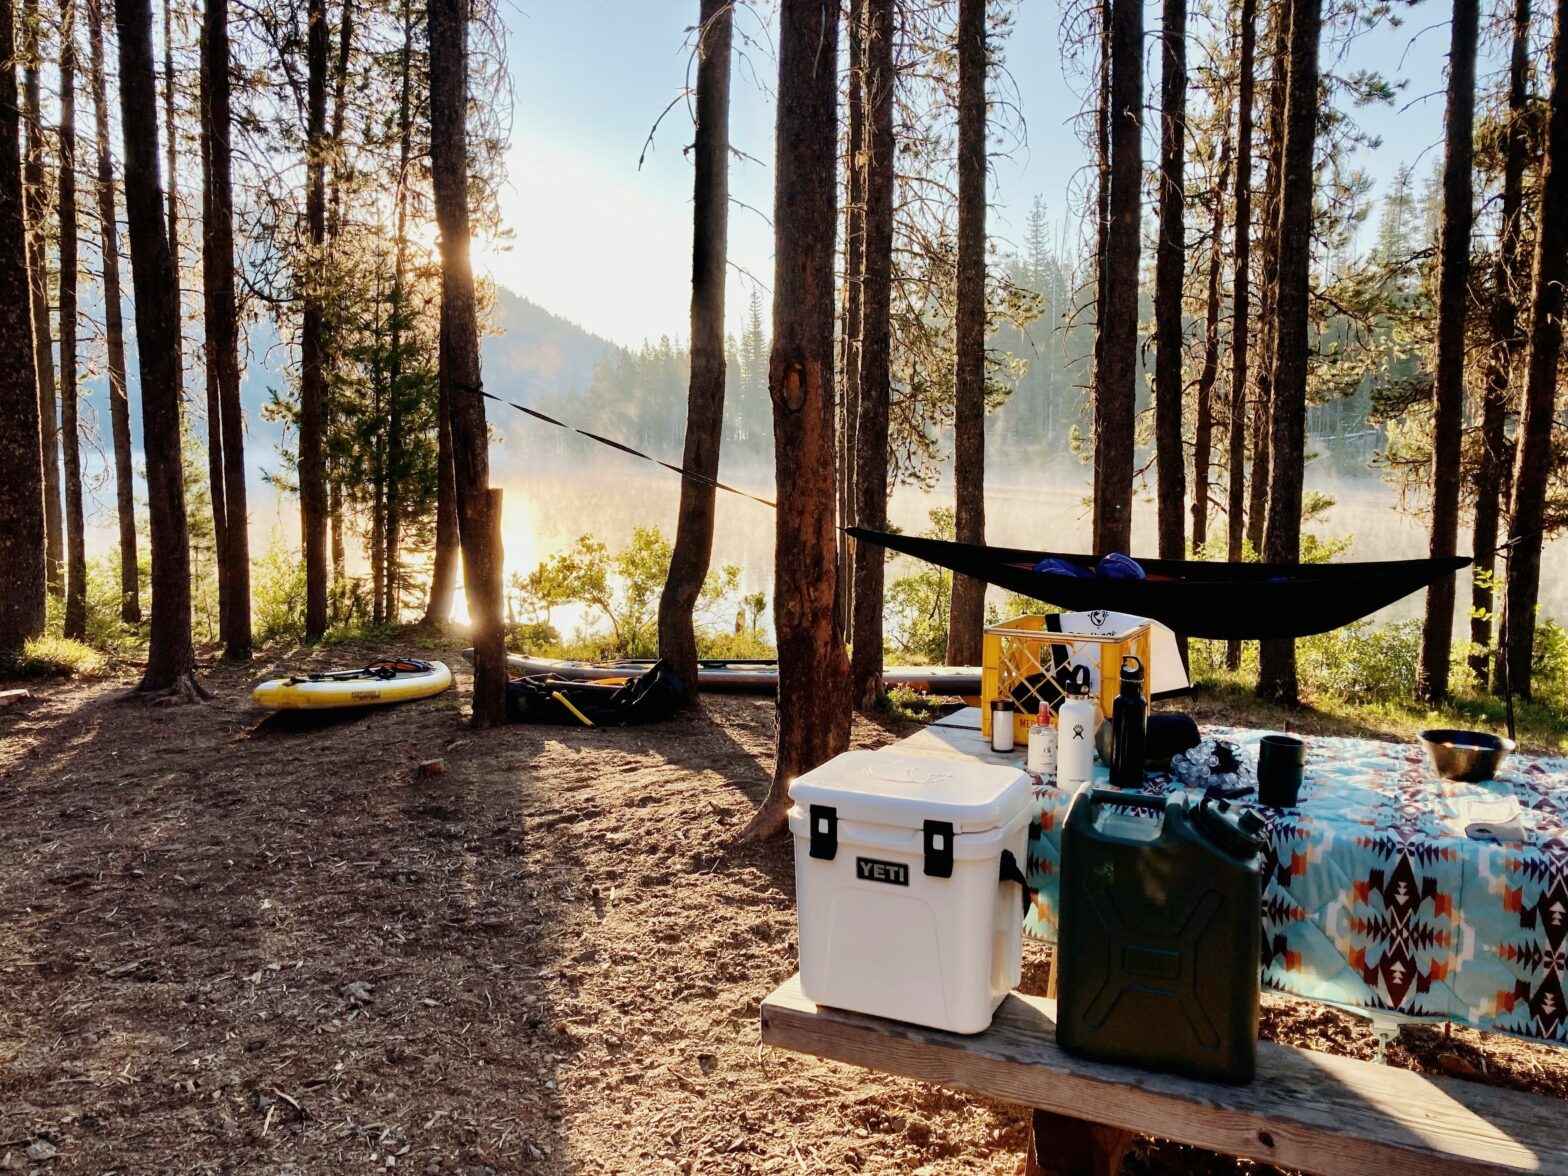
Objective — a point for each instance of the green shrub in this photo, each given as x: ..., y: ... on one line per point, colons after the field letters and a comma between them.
x: 53, y: 657
x: 277, y: 593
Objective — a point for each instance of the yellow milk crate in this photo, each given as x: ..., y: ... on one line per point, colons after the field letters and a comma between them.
x: 1023, y: 660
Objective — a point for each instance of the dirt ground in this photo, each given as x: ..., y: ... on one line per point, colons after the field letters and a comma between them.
x: 237, y: 944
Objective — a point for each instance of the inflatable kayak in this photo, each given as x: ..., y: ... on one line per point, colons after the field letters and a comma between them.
x: 739, y: 677
x: 379, y: 683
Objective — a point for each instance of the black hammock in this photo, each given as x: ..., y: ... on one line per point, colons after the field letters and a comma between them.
x: 1196, y: 598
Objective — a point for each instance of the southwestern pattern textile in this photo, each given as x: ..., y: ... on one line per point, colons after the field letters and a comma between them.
x: 1374, y: 895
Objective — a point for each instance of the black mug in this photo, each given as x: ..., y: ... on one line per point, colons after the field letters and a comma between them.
x: 1281, y: 761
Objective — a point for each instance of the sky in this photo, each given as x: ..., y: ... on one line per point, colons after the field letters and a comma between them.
x: 606, y: 243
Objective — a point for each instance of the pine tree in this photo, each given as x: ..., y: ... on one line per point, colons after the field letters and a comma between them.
x: 1448, y: 391
x: 70, y: 430
x: 478, y: 507
x: 113, y: 325
x: 221, y: 328
x: 875, y: 382
x: 1533, y: 465
x: 313, y: 380
x: 22, y: 604
x: 1241, y: 300
x: 1116, y: 370
x: 813, y: 722
x: 171, y: 659
x: 1170, y: 265
x: 967, y: 615
x: 1282, y: 538
x: 693, y: 547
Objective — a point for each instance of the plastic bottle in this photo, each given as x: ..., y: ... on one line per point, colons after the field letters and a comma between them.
x: 1075, y: 735
x: 1129, y: 727
x: 1042, y: 745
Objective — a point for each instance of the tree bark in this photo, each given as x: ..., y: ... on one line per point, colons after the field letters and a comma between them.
x: 114, y: 327
x: 1102, y: 225
x: 170, y: 656
x: 1532, y: 468
x: 1115, y: 392
x: 854, y: 276
x: 1241, y: 302
x: 443, y: 569
x: 1282, y: 537
x: 313, y: 379
x: 22, y: 604
x: 966, y: 620
x: 1170, y: 263
x: 171, y: 149
x: 813, y: 720
x: 36, y: 205
x: 392, y: 530
x: 1448, y: 385
x: 459, y: 358
x: 1268, y: 319
x: 221, y: 325
x: 1203, y: 427
x: 1491, y: 477
x: 871, y: 427
x: 70, y: 431
x: 705, y: 394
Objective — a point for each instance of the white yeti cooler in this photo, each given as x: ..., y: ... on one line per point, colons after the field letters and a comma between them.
x: 908, y: 886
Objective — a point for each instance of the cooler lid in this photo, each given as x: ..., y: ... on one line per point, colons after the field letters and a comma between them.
x: 891, y: 788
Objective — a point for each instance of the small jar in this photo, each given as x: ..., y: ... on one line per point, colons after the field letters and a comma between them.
x: 1002, y: 735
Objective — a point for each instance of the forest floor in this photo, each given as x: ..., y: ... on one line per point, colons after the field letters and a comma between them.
x: 233, y: 943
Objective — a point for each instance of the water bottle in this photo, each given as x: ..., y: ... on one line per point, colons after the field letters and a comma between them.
x: 1075, y: 723
x: 1129, y: 727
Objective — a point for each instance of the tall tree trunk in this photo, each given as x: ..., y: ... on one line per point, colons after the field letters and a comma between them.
x: 1115, y: 398
x: 221, y: 320
x: 170, y: 656
x: 1491, y: 477
x: 22, y: 604
x: 1268, y: 319
x: 392, y: 531
x: 313, y: 378
x: 871, y: 427
x: 1532, y: 468
x: 1102, y: 223
x: 1282, y: 537
x: 1241, y: 302
x: 171, y: 152
x: 1448, y: 385
x: 215, y: 460
x: 443, y: 570
x: 813, y: 721
x: 478, y: 509
x: 70, y: 432
x: 854, y: 318
x: 1170, y: 264
x: 966, y: 625
x: 1203, y: 428
x: 336, y: 540
x: 36, y: 204
x: 114, y: 327
x: 705, y: 394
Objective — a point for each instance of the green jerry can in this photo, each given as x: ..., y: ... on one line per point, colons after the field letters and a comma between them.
x: 1159, y: 936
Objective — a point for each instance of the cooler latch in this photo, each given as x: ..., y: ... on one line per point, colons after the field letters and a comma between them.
x: 824, y: 831
x: 939, y: 849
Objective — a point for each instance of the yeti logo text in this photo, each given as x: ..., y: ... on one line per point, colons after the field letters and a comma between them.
x: 871, y: 870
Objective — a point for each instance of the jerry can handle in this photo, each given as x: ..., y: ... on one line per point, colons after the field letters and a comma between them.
x: 1138, y: 800
x: 1011, y: 873
x: 1147, y: 801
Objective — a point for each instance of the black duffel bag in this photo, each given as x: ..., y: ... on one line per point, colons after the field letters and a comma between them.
x: 650, y: 697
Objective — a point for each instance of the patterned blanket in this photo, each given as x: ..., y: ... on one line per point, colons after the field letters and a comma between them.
x: 1374, y: 895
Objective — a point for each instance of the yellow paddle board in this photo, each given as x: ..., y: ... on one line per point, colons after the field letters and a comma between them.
x: 366, y: 687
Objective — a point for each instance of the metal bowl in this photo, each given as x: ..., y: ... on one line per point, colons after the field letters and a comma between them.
x: 1469, y: 756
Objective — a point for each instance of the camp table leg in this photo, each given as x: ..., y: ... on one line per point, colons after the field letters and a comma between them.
x: 1060, y: 1146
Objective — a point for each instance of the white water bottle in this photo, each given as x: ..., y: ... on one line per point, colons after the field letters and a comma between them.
x: 1042, y: 745
x: 1075, y: 740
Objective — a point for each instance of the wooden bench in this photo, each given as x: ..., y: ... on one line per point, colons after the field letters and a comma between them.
x: 1312, y: 1111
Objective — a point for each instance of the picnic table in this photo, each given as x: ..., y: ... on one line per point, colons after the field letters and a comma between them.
x: 1374, y: 896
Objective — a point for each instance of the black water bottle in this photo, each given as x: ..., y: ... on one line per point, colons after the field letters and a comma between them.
x: 1129, y: 727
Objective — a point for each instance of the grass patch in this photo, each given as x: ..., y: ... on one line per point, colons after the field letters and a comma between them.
x: 53, y: 657
x: 904, y: 702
